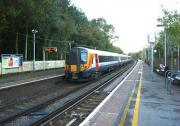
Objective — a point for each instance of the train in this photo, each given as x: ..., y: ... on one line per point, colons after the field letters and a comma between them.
x: 83, y: 64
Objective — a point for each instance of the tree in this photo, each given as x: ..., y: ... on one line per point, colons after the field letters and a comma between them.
x: 58, y: 22
x: 159, y: 50
x: 136, y: 55
x: 171, y: 21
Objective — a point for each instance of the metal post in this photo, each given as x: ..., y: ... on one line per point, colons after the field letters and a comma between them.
x: 1, y: 73
x: 165, y: 41
x: 34, y: 48
x: 151, y: 41
x: 152, y: 60
x: 34, y: 51
x: 178, y: 57
x: 44, y: 54
x: 70, y: 45
x: 152, y: 57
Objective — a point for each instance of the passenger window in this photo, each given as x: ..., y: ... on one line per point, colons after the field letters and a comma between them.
x: 83, y: 57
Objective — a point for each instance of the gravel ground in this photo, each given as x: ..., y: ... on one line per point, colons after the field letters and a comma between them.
x: 15, y: 100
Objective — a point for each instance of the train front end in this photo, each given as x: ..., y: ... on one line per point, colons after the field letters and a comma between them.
x: 76, y: 63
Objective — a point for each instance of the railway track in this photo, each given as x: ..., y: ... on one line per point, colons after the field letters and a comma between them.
x: 77, y: 111
x: 63, y: 106
x: 36, y: 102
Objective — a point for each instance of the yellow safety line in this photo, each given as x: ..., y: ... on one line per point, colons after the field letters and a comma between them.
x: 126, y: 109
x: 136, y: 108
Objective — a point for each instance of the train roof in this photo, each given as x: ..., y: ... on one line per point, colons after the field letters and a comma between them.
x: 105, y: 53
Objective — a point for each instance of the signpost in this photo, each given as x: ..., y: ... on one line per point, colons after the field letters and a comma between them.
x: 48, y: 50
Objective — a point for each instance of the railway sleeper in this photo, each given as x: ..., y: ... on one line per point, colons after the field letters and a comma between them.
x: 84, y: 109
x: 77, y: 115
x: 88, y: 107
x: 96, y: 100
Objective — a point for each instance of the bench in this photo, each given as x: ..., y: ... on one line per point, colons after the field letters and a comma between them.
x: 162, y: 69
x: 170, y: 77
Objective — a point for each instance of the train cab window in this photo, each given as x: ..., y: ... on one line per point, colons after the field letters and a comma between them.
x: 73, y: 56
x: 84, y: 56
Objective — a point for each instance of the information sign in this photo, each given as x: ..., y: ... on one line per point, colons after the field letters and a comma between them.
x: 151, y: 38
x: 11, y: 60
x: 50, y: 49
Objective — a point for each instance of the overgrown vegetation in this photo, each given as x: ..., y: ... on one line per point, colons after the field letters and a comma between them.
x: 136, y: 55
x: 171, y: 24
x: 58, y: 23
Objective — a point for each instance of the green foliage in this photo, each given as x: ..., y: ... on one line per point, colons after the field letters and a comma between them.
x: 159, y: 50
x: 57, y: 21
x: 136, y: 55
x: 117, y: 50
x: 171, y: 21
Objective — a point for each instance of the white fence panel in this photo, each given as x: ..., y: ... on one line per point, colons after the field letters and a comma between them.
x: 39, y: 65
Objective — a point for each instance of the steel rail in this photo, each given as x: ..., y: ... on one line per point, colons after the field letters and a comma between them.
x: 52, y: 116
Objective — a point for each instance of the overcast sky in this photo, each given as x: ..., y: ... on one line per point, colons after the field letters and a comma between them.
x: 132, y: 19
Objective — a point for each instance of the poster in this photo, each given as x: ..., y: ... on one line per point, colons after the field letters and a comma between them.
x: 12, y: 60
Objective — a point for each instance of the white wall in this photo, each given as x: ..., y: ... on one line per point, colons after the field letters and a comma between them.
x: 39, y: 65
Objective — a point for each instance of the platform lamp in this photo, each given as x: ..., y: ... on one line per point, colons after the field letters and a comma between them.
x: 165, y: 43
x: 34, y: 50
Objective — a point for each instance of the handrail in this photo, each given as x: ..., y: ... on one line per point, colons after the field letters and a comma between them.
x: 169, y: 78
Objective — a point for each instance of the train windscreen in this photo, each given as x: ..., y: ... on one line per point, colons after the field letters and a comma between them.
x: 73, y: 57
x: 84, y: 55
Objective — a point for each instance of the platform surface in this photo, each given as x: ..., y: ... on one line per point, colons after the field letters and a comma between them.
x: 140, y: 100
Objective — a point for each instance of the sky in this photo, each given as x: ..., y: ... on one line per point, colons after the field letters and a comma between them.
x: 133, y: 19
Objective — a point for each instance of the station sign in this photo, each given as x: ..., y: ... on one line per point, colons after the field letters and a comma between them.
x: 11, y: 60
x: 50, y: 49
x: 151, y: 38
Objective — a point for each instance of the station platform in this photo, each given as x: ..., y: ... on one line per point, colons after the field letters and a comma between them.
x: 17, y: 79
x: 141, y: 99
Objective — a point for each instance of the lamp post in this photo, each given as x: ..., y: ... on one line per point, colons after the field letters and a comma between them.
x: 70, y: 44
x: 159, y: 54
x: 178, y: 57
x: 151, y: 41
x: 34, y: 51
x: 165, y: 42
x: 155, y: 52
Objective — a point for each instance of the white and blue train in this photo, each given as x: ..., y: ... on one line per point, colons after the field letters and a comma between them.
x: 83, y: 63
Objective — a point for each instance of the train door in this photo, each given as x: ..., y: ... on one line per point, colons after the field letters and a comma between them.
x: 78, y: 60
x: 74, y: 60
x: 97, y: 62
